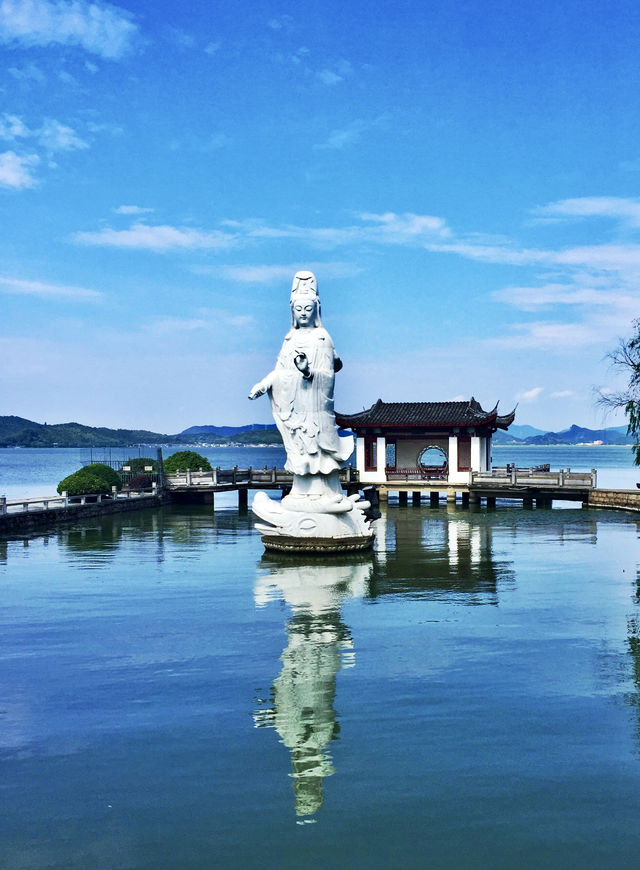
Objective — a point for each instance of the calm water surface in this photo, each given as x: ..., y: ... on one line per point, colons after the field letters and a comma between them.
x: 33, y: 471
x: 468, y: 696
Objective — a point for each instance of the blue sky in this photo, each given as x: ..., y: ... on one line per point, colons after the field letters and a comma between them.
x: 463, y: 178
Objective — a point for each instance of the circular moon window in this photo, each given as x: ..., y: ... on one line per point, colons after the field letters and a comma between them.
x: 433, y: 460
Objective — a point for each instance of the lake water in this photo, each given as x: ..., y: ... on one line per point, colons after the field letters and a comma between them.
x: 33, y: 471
x: 466, y: 696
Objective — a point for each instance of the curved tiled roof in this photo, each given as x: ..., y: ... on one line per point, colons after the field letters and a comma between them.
x: 425, y: 414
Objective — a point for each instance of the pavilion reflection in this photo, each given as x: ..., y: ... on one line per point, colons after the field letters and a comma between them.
x: 319, y: 643
x: 422, y: 553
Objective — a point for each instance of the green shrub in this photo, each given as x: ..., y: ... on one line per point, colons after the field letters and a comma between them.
x: 95, y: 478
x: 83, y: 482
x: 106, y: 473
x: 137, y: 464
x: 186, y: 459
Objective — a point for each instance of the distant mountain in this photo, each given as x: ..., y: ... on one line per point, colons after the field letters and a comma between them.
x: 579, y: 435
x: 225, y: 430
x: 524, y: 431
x: 502, y: 437
x: 19, y: 432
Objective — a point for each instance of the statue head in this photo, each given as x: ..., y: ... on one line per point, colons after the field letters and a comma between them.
x: 305, y: 302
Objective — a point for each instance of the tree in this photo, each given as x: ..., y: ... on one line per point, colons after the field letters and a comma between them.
x: 96, y: 478
x: 186, y: 460
x: 626, y: 357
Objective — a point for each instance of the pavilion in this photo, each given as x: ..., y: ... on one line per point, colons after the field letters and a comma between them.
x: 426, y: 441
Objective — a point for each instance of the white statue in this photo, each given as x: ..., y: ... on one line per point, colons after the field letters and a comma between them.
x: 301, y: 391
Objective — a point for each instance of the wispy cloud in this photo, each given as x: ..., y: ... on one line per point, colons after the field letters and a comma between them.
x: 28, y: 73
x: 52, y: 136
x: 262, y: 274
x: 157, y: 238
x: 132, y: 209
x: 97, y: 27
x: 530, y: 395
x: 388, y: 228
x: 17, y: 171
x: 549, y: 295
x: 615, y: 207
x: 560, y: 338
x: 562, y: 394
x: 281, y: 22
x: 47, y: 291
x: 335, y: 74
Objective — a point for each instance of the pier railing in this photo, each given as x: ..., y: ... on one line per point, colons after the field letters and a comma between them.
x: 511, y: 476
x: 10, y: 506
x: 231, y: 478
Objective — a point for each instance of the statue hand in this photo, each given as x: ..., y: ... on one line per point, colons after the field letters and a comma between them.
x: 257, y: 390
x: 301, y: 361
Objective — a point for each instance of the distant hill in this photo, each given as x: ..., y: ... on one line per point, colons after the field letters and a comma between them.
x: 502, y: 437
x: 225, y: 431
x: 19, y: 432
x: 523, y: 431
x: 579, y: 435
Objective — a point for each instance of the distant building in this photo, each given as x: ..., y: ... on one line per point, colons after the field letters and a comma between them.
x: 423, y: 440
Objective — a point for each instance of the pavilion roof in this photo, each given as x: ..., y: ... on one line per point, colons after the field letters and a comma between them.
x: 413, y: 415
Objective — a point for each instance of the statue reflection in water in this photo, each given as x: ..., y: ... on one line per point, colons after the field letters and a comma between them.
x: 302, y: 697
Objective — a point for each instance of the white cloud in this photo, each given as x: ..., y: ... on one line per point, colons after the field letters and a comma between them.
x: 530, y: 395
x: 174, y: 325
x: 283, y: 22
x: 558, y: 338
x: 548, y: 295
x: 104, y: 127
x: 28, y: 73
x: 16, y: 171
x: 335, y: 74
x: 46, y: 291
x: 328, y: 77
x: 54, y: 136
x: 339, y: 139
x: 12, y: 127
x: 131, y: 209
x: 157, y: 238
x: 181, y: 38
x: 616, y: 207
x: 562, y: 394
x: 97, y: 27
x: 388, y: 228
x: 262, y: 274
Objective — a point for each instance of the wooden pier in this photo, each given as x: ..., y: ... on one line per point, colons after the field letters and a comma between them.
x: 529, y: 485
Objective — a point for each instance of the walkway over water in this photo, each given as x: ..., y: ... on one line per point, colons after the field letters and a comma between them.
x: 528, y: 485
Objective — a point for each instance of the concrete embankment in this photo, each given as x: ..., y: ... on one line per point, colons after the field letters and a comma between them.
x: 616, y: 499
x: 41, y: 520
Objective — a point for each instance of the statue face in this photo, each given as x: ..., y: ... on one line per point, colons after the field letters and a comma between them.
x: 305, y: 312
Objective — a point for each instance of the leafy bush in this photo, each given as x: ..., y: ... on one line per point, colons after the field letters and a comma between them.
x: 83, y: 483
x: 186, y: 459
x: 137, y: 464
x: 92, y: 479
x: 106, y: 473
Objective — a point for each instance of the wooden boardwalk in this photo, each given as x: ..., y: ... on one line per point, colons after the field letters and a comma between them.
x: 530, y: 486
x: 524, y: 484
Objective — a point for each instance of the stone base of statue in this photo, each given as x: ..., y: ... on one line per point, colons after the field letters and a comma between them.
x: 316, y: 517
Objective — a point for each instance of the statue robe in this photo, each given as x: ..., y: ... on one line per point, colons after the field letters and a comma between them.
x: 303, y: 407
